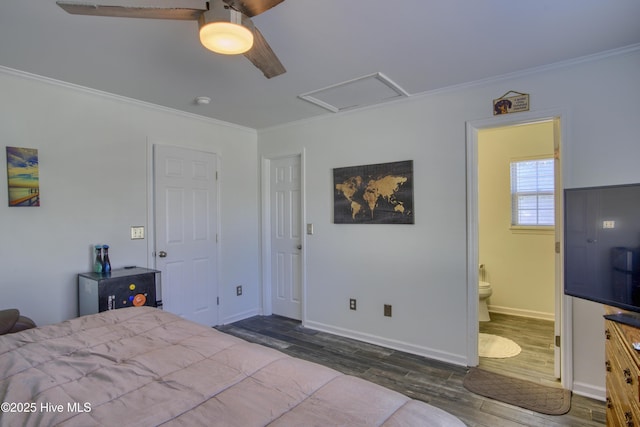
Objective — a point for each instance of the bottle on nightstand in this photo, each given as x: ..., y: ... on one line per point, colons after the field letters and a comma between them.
x: 97, y: 264
x: 106, y: 263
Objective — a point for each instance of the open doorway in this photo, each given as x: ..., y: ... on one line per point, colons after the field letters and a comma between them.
x: 516, y: 240
x: 518, y: 288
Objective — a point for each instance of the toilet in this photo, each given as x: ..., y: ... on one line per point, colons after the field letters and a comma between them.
x: 484, y: 292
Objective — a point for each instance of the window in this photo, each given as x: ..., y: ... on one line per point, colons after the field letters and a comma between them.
x: 532, y: 199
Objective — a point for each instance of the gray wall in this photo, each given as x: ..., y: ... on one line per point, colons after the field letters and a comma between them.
x: 421, y: 269
x: 94, y: 179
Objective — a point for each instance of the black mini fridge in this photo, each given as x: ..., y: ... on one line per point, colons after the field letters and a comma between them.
x: 126, y: 287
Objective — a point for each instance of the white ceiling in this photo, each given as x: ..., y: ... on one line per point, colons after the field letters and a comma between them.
x: 421, y: 45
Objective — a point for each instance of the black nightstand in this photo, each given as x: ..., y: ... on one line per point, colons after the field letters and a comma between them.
x: 125, y: 287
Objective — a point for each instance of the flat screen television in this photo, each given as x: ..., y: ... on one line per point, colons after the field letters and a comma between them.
x: 602, y: 247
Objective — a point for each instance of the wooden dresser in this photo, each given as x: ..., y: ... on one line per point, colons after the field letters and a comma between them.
x: 623, y: 373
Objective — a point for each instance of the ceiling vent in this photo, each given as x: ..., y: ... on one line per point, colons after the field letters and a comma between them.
x: 372, y: 89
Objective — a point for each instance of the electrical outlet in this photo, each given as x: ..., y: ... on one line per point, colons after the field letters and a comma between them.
x: 239, y: 290
x: 387, y: 310
x: 137, y: 232
x: 352, y: 304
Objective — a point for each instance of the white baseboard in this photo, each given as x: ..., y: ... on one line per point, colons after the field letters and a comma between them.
x: 522, y: 313
x: 590, y: 391
x: 455, y: 359
x: 241, y: 316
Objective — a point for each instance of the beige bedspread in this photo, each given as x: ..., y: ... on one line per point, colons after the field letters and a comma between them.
x: 145, y: 367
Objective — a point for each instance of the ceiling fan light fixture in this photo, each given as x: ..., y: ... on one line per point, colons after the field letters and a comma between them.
x: 222, y: 30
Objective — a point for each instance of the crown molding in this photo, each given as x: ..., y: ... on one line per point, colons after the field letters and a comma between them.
x: 107, y: 95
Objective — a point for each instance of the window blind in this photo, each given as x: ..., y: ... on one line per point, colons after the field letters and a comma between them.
x: 532, y: 193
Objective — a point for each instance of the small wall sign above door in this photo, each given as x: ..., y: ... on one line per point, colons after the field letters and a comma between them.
x: 511, y: 104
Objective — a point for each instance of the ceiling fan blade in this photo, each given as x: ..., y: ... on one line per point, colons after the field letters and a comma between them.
x: 261, y: 54
x: 263, y: 57
x: 132, y: 12
x: 252, y: 7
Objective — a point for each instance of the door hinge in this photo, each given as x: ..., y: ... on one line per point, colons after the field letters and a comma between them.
x: 217, y: 300
x: 557, y: 247
x: 557, y: 340
x: 216, y: 175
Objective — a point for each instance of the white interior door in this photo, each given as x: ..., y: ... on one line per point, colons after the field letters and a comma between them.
x: 559, y: 265
x: 186, y: 232
x: 286, y: 239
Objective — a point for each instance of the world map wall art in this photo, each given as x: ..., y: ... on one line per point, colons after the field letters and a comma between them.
x: 374, y: 194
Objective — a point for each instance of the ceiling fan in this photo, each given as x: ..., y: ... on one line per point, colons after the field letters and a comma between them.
x: 232, y: 17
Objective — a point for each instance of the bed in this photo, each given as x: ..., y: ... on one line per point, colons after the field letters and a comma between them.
x: 142, y: 366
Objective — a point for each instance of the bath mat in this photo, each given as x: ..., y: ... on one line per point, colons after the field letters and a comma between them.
x: 525, y: 394
x: 496, y: 347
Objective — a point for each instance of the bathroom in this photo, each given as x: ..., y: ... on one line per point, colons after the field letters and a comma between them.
x: 519, y: 262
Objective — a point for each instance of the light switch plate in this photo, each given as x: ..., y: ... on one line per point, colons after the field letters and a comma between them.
x: 309, y: 229
x: 137, y: 232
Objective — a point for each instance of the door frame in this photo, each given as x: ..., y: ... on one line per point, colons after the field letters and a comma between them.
x: 563, y: 306
x: 267, y: 306
x: 151, y: 217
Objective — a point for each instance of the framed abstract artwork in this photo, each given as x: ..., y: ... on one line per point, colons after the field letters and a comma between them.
x: 23, y: 179
x: 374, y: 194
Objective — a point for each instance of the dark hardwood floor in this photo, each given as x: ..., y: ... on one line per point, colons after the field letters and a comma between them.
x: 535, y: 337
x: 437, y: 383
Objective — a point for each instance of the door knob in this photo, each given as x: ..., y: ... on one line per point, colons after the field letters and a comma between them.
x: 299, y: 246
x: 162, y: 254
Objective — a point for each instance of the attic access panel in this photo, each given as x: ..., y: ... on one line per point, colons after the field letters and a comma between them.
x: 367, y: 90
